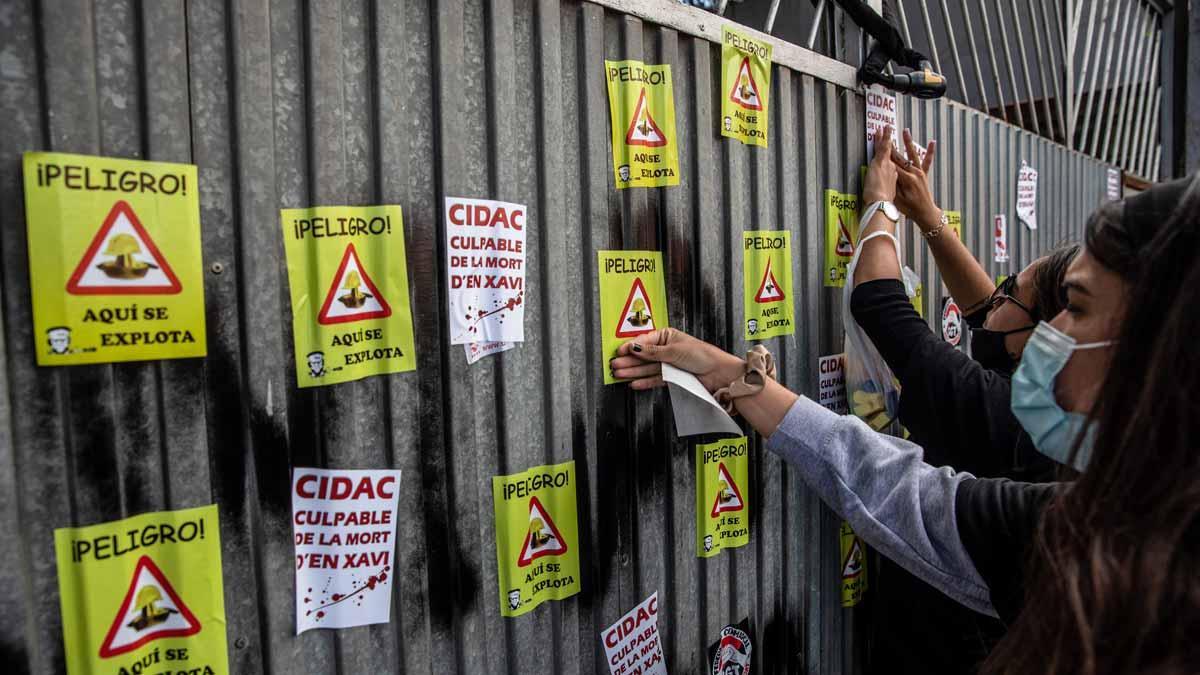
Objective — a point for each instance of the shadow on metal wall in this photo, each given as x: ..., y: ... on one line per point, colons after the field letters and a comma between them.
x: 289, y: 104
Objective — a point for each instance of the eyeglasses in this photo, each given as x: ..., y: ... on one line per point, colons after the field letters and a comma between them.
x: 1003, y: 293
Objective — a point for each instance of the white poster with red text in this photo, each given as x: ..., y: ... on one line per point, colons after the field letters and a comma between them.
x: 1027, y: 195
x: 1000, y: 238
x: 881, y: 112
x: 344, y: 525
x: 485, y: 270
x: 633, y: 644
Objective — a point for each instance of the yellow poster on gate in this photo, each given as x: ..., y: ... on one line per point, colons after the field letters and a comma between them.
x: 954, y: 222
x: 641, y: 105
x: 722, y: 496
x: 143, y: 594
x: 841, y: 221
x: 633, y: 300
x: 348, y: 274
x: 767, y: 283
x: 115, y: 267
x: 854, y: 567
x: 537, y: 537
x: 745, y: 87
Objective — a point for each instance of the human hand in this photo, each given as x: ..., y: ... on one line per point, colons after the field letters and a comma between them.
x: 914, y: 197
x: 880, y: 182
x: 642, y: 357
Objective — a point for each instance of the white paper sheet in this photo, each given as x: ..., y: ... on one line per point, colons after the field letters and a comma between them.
x: 696, y: 411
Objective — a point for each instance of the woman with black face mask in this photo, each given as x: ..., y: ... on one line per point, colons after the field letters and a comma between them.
x: 956, y: 407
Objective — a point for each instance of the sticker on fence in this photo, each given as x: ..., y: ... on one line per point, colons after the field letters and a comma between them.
x: 143, y: 590
x: 1027, y: 195
x: 881, y: 113
x: 633, y: 645
x: 537, y: 537
x: 841, y: 219
x: 478, y: 350
x: 831, y: 383
x: 722, y: 496
x: 952, y: 322
x: 344, y: 526
x: 1112, y: 184
x: 1000, y: 238
x: 730, y: 654
x: 348, y: 277
x: 854, y: 567
x: 914, y: 289
x: 767, y: 283
x: 485, y: 269
x: 633, y: 300
x: 115, y: 264
x: 746, y: 87
x: 954, y: 222
x: 641, y: 102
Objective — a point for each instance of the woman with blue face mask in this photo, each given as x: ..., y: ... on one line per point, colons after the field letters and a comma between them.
x: 1097, y: 576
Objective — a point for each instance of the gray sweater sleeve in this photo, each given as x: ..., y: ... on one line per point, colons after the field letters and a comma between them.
x: 894, y: 500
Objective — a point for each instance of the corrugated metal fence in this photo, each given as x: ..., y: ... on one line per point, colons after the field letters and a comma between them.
x: 284, y: 103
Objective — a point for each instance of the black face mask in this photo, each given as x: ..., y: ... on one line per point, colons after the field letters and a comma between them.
x: 987, y: 347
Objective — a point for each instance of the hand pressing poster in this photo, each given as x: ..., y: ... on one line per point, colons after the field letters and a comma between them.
x: 344, y: 524
x: 485, y: 263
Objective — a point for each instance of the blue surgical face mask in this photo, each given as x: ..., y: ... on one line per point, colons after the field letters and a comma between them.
x: 1052, y: 429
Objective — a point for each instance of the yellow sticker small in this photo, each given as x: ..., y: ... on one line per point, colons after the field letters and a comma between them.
x: 722, y: 496
x: 641, y: 104
x: 854, y: 567
x: 841, y: 222
x: 143, y: 594
x: 767, y: 283
x: 954, y: 222
x: 348, y: 276
x: 114, y: 259
x: 745, y: 87
x: 537, y: 537
x: 633, y: 300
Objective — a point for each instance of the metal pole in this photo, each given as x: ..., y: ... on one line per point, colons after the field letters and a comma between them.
x: 1041, y: 69
x: 771, y: 16
x: 987, y: 32
x: 1141, y: 92
x: 1053, y: 77
x: 954, y: 52
x: 1012, y: 75
x: 903, y: 22
x: 1025, y: 69
x: 1108, y: 142
x: 1068, y: 65
x: 1144, y: 167
x: 1119, y: 29
x: 1087, y: 55
x: 816, y: 24
x: 1104, y: 112
x: 933, y: 52
x: 974, y: 51
x: 721, y: 9
x: 1108, y: 22
x: 1127, y: 92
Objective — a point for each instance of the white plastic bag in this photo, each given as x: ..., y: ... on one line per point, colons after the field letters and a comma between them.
x: 871, y: 387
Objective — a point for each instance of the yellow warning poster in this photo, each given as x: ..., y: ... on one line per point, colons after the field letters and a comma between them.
x: 722, y: 496
x: 143, y: 594
x: 537, y: 537
x: 641, y: 105
x: 954, y: 222
x: 854, y: 567
x: 348, y: 274
x: 114, y: 259
x: 633, y: 300
x: 767, y: 283
x: 841, y: 222
x: 745, y: 87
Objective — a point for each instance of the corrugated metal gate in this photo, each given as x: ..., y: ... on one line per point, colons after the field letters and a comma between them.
x: 284, y: 103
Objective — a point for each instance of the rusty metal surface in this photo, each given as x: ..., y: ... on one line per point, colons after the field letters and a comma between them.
x: 286, y: 104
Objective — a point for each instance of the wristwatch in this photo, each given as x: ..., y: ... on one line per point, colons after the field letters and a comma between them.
x: 889, y: 210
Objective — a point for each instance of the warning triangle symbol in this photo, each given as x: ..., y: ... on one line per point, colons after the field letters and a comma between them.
x: 543, y: 537
x: 638, y: 316
x: 123, y: 260
x: 853, y: 565
x: 745, y: 90
x: 769, y: 290
x: 151, y: 610
x: 729, y: 497
x: 845, y: 244
x: 353, y: 295
x: 642, y: 128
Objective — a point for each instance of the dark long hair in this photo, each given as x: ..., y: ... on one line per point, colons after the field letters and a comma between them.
x: 1114, y: 573
x: 1048, y: 296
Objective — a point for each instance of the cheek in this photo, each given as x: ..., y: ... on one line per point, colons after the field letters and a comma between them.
x: 1077, y: 384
